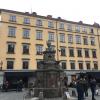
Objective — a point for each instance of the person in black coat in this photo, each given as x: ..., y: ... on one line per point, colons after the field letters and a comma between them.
x: 80, y: 88
x: 93, y: 87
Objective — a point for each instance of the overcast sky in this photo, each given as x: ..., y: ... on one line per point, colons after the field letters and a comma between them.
x: 74, y: 10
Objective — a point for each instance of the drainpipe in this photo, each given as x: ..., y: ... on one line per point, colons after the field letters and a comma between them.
x: 57, y: 42
x: 98, y: 37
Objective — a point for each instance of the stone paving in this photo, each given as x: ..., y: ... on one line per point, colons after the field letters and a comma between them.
x: 19, y: 96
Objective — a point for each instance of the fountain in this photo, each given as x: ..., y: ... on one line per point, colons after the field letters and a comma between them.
x: 49, y: 75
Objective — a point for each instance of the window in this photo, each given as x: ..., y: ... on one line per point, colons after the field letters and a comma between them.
x: 92, y: 41
x: 70, y: 38
x: 26, y: 21
x: 63, y: 51
x: 78, y: 39
x: 94, y: 54
x: 25, y: 48
x: 72, y: 65
x: 77, y: 29
x: 62, y: 37
x: 12, y: 18
x: 51, y: 36
x: 39, y: 35
x: 38, y: 22
x: 11, y: 48
x: 84, y: 29
x: 38, y: 63
x: 12, y: 31
x: 95, y: 65
x: 69, y: 27
x: 61, y: 25
x: 71, y: 52
x: 63, y: 64
x: 85, y: 40
x: 10, y: 64
x: 25, y: 64
x: 91, y: 30
x: 80, y: 65
x: 39, y: 49
x: 26, y: 33
x: 79, y: 52
x: 50, y: 24
x: 86, y: 53
x: 88, y: 65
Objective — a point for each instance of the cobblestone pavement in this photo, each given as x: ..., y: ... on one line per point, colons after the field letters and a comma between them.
x: 19, y: 96
x: 11, y: 95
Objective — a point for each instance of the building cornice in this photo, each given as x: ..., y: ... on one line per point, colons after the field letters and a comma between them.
x: 49, y: 17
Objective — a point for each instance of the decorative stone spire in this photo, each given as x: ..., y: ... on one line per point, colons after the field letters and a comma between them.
x: 49, y: 54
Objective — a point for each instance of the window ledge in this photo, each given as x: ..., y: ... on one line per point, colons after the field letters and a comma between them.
x: 26, y: 38
x: 39, y: 39
x: 10, y: 53
x: 12, y: 36
x: 26, y: 54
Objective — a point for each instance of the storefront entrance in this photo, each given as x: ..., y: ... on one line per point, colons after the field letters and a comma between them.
x: 14, y: 77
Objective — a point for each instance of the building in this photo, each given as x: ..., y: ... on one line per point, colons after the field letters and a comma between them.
x: 23, y: 38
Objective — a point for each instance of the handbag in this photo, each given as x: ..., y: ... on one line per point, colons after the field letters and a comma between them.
x: 68, y: 95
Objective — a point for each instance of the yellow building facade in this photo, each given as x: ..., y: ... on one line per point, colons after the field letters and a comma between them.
x: 23, y: 38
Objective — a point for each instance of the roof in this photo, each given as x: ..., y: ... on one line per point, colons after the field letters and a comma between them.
x: 49, y: 17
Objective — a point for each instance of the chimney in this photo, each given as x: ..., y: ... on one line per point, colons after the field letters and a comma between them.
x: 26, y: 12
x: 49, y: 16
x: 34, y: 13
x: 59, y: 18
x: 96, y: 24
x: 80, y: 22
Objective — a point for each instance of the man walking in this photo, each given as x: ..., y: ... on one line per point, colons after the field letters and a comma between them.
x: 80, y: 88
x: 93, y: 87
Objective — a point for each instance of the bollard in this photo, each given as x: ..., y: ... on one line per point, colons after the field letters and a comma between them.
x: 73, y: 93
x: 41, y: 96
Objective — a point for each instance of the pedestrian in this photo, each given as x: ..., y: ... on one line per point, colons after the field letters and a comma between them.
x: 20, y: 85
x: 93, y: 87
x: 6, y: 84
x: 65, y: 80
x: 80, y: 88
x: 86, y: 86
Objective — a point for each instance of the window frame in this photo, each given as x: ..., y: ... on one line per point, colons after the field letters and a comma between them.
x: 71, y: 52
x: 26, y: 20
x: 26, y: 33
x: 51, y: 36
x: 12, y: 18
x: 70, y: 38
x: 10, y: 67
x: 26, y: 63
x: 11, y: 31
x: 78, y: 39
x: 63, y: 51
x: 39, y: 49
x: 26, y: 49
x: 62, y: 37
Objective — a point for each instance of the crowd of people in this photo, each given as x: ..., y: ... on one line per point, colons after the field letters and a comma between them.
x: 18, y: 86
x: 82, y: 84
